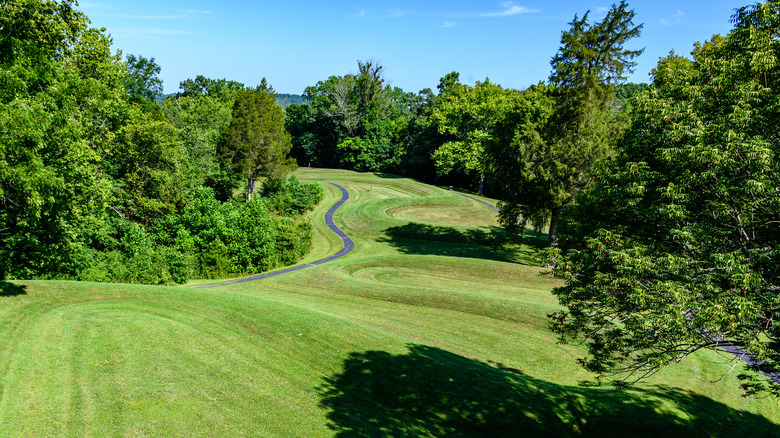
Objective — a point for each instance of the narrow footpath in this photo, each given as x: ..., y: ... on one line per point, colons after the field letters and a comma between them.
x: 349, y: 245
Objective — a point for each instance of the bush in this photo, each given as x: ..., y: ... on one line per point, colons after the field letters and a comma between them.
x: 208, y: 238
x: 291, y: 197
x: 293, y: 239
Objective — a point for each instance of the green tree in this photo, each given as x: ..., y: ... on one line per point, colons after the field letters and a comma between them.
x: 352, y: 121
x: 141, y: 81
x: 581, y: 129
x: 202, y: 85
x: 469, y: 117
x: 320, y: 125
x: 256, y: 140
x: 201, y: 117
x: 370, y: 93
x: 148, y: 171
x: 675, y: 247
x: 60, y: 95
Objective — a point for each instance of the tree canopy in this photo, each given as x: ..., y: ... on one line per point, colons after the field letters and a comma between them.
x: 562, y: 129
x: 469, y: 118
x: 675, y: 247
x: 100, y: 182
x: 141, y: 81
x: 256, y: 140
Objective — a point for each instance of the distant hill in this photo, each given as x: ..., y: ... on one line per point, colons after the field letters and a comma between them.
x: 285, y: 100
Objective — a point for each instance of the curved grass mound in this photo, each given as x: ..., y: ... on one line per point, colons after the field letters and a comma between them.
x: 435, y: 325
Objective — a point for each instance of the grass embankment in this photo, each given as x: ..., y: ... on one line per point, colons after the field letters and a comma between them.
x: 433, y: 326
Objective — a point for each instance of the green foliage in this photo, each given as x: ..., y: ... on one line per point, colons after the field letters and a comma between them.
x: 469, y: 118
x: 201, y: 118
x: 147, y: 166
x: 357, y: 154
x: 674, y: 248
x: 202, y: 85
x: 96, y: 179
x: 127, y: 253
x: 290, y: 197
x: 625, y: 95
x: 141, y: 81
x: 418, y: 137
x: 293, y: 239
x: 592, y: 54
x: 530, y: 171
x: 54, y: 135
x: 353, y: 121
x: 557, y: 140
x: 227, y: 238
x: 256, y: 140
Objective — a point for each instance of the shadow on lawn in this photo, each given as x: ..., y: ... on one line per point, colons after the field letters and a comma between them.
x: 490, y: 244
x: 11, y: 290
x: 390, y: 175
x: 431, y: 392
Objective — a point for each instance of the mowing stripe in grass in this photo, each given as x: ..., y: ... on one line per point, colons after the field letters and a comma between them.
x: 349, y: 245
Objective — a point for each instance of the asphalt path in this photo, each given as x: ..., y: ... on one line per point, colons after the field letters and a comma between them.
x: 349, y: 245
x: 492, y: 207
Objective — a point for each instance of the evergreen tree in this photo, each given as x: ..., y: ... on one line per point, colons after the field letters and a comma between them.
x: 540, y: 170
x: 256, y: 140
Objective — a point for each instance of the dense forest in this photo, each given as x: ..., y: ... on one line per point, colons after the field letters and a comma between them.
x: 661, y: 201
x: 100, y: 182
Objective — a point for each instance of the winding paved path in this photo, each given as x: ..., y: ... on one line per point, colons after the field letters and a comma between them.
x: 349, y: 245
x: 492, y: 207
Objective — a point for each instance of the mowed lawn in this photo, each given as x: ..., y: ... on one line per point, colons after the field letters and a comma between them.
x: 435, y: 325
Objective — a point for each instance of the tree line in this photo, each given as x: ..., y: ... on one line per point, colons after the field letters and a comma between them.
x: 100, y: 182
x: 530, y: 148
x: 661, y: 201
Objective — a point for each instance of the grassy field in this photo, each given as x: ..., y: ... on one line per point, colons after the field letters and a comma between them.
x: 433, y: 326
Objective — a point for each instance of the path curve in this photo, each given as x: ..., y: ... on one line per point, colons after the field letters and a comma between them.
x: 349, y: 245
x: 492, y: 207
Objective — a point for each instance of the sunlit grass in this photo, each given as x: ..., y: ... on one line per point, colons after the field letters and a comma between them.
x: 435, y: 325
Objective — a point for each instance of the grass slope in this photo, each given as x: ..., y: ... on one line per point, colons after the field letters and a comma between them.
x: 433, y: 326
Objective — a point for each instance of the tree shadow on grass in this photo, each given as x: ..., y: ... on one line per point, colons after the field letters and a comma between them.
x: 390, y: 175
x: 8, y: 289
x: 431, y: 392
x: 493, y: 243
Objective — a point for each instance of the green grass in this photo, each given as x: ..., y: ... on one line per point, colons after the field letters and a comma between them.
x: 433, y: 326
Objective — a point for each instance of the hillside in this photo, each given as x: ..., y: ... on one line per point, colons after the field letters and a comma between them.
x: 285, y: 100
x: 435, y: 325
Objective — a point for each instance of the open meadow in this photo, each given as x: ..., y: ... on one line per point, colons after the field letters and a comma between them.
x: 434, y: 325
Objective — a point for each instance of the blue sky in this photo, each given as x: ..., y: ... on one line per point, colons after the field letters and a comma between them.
x: 297, y: 43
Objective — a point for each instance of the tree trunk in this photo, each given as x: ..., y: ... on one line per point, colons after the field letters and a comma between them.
x: 250, y: 187
x: 552, y: 238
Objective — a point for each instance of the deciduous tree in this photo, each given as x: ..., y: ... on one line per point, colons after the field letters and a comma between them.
x: 54, y: 134
x: 469, y: 117
x: 675, y: 248
x: 141, y: 80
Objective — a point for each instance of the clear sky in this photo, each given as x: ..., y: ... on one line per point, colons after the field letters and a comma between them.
x: 297, y: 43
